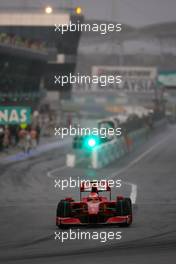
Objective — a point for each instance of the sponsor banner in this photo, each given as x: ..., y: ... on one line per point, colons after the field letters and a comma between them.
x: 101, y: 100
x: 134, y: 79
x: 132, y: 73
x: 167, y: 78
x: 10, y: 115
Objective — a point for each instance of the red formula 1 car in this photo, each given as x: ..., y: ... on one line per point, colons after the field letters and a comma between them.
x: 94, y: 208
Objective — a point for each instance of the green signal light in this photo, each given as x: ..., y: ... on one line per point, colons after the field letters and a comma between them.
x: 91, y: 142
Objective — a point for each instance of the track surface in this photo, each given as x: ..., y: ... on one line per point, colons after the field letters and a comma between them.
x: 28, y: 203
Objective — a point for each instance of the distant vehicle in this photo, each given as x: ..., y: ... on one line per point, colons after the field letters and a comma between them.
x: 94, y: 208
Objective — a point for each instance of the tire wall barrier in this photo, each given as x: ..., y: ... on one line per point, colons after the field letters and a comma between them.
x: 73, y: 158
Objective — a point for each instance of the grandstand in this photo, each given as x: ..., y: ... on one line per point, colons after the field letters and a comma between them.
x: 31, y: 53
x: 22, y: 64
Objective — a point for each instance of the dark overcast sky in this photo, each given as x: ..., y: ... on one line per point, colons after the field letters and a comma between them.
x: 133, y: 12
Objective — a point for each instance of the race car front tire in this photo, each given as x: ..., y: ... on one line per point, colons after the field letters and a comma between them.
x: 63, y: 210
x: 124, y: 208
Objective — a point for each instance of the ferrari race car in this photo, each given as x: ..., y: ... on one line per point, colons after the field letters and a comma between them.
x: 94, y: 208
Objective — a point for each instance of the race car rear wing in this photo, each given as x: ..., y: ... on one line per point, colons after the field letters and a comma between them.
x: 95, y: 186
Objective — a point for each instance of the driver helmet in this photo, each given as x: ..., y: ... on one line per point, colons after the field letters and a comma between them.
x: 93, y: 197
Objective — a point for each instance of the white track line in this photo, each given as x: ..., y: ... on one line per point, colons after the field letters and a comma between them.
x: 50, y: 173
x: 133, y: 194
x: 140, y: 157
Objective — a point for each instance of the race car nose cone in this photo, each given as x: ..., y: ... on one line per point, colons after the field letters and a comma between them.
x: 93, y: 208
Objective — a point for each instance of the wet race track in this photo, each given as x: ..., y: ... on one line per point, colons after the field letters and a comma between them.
x: 29, y: 199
